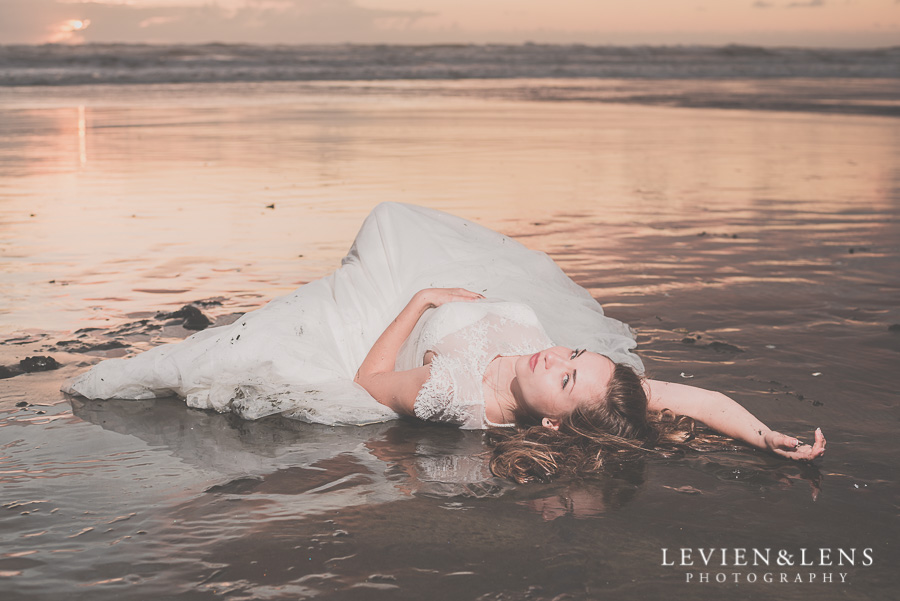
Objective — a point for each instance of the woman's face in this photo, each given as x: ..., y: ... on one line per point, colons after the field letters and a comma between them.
x: 553, y: 382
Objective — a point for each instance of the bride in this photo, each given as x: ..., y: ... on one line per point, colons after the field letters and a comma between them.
x: 439, y: 318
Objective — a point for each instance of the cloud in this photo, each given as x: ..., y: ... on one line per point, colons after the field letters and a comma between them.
x: 261, y: 21
x: 808, y: 4
x: 796, y: 4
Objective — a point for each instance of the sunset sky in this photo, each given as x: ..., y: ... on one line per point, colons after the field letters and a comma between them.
x: 842, y: 23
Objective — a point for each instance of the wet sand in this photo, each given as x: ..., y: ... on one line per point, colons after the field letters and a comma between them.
x: 755, y: 253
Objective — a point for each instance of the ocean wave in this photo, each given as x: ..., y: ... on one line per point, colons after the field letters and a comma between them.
x: 59, y: 65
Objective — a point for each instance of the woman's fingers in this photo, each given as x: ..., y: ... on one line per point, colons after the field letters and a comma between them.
x: 468, y: 293
x: 806, y: 452
x: 817, y: 449
x: 438, y: 296
x: 463, y: 294
x: 819, y: 445
x: 790, y: 447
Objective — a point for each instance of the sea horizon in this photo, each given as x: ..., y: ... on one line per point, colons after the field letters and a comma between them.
x: 811, y: 80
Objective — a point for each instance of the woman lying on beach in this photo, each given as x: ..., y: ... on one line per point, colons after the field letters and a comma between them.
x: 436, y: 317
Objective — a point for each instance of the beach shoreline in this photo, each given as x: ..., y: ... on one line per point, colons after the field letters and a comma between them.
x: 753, y: 252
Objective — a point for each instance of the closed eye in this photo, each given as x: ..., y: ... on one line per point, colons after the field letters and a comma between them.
x: 575, y: 354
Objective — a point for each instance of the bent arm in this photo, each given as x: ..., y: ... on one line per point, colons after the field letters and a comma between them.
x: 383, y: 354
x: 723, y: 414
x: 398, y: 389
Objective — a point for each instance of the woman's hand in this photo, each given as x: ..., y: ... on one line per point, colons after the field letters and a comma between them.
x: 790, y: 447
x: 435, y: 297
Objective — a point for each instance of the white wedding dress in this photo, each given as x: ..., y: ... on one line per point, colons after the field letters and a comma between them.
x: 297, y: 355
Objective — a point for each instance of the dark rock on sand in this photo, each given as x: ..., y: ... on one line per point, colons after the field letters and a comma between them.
x: 27, y: 365
x: 38, y: 363
x: 76, y: 346
x: 894, y: 328
x: 125, y: 334
x: 215, y: 301
x: 194, y: 319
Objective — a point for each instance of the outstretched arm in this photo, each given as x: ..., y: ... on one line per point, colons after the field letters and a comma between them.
x: 398, y: 389
x: 724, y: 415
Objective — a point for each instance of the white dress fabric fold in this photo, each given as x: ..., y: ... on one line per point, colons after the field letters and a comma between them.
x: 298, y: 354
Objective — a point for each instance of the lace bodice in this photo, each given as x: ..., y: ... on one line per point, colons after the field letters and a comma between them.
x: 465, y: 338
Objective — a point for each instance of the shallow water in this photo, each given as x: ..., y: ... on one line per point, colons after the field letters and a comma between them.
x: 772, y: 234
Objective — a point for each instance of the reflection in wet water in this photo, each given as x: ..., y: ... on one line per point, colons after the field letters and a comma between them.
x: 217, y: 505
x: 391, y: 460
x: 753, y: 253
x: 185, y: 189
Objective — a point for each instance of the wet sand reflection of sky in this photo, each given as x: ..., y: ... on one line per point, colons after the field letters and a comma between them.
x: 109, y: 201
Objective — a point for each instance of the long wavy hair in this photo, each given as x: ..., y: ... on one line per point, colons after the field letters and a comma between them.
x: 616, y: 427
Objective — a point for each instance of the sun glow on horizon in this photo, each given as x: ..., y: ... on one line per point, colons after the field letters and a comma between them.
x: 67, y: 31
